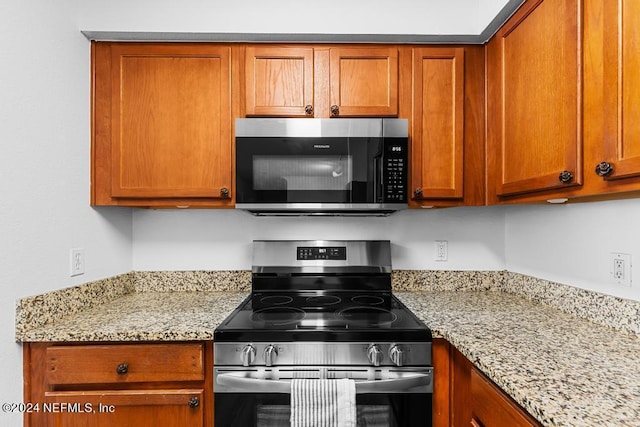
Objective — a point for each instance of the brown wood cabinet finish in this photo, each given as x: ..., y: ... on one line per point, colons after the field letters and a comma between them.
x: 474, y: 399
x: 534, y: 98
x: 321, y: 81
x: 161, y: 384
x: 106, y: 408
x: 441, y: 382
x: 621, y: 41
x: 490, y: 407
x: 363, y: 81
x: 608, y: 152
x: 162, y: 124
x: 438, y: 128
x: 279, y: 81
x: 447, y: 126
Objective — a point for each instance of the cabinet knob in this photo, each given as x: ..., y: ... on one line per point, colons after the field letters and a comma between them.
x: 417, y: 193
x: 308, y: 110
x: 335, y: 111
x: 194, y: 402
x: 565, y: 177
x: 122, y: 369
x: 224, y: 192
x: 604, y: 169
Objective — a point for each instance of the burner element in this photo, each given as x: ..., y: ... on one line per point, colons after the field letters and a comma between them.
x: 278, y: 316
x: 324, y: 300
x: 276, y: 300
x: 367, y: 300
x: 368, y: 316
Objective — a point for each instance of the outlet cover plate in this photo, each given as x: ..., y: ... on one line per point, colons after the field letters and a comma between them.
x: 620, y: 268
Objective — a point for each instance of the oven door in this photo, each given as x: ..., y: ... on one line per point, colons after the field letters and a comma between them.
x: 295, y: 169
x: 390, y: 397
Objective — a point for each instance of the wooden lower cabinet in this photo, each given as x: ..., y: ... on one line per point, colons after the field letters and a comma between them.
x: 464, y: 397
x: 491, y: 407
x: 95, y: 385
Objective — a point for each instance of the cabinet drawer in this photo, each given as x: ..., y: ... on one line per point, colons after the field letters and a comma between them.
x: 491, y: 407
x: 92, y: 364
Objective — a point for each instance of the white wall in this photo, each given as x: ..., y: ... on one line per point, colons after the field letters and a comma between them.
x: 287, y: 16
x: 572, y: 243
x: 44, y: 170
x: 221, y: 239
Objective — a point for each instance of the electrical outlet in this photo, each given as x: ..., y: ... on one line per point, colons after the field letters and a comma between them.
x: 77, y: 261
x: 442, y: 250
x: 620, y: 268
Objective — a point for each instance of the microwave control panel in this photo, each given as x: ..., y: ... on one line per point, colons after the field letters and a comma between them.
x: 395, y: 173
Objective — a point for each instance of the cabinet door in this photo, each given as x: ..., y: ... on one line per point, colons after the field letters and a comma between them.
x: 438, y: 123
x: 622, y: 89
x: 491, y: 407
x: 535, y: 99
x: 364, y: 81
x: 171, y: 121
x: 279, y: 81
x: 123, y: 408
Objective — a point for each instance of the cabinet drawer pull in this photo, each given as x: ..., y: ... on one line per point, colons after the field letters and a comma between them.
x: 417, y: 193
x: 604, y: 169
x: 194, y: 402
x: 308, y: 110
x: 565, y: 177
x: 122, y: 369
x: 224, y: 192
x: 335, y: 111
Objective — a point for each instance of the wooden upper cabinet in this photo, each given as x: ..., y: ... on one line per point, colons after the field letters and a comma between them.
x: 438, y: 123
x: 364, y: 81
x: 162, y: 123
x: 321, y: 81
x: 279, y: 81
x: 534, y: 99
x: 621, y: 153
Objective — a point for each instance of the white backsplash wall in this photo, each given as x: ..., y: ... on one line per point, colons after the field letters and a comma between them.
x: 571, y: 243
x: 221, y: 239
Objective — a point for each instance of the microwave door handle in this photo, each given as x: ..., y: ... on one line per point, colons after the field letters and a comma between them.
x: 236, y: 383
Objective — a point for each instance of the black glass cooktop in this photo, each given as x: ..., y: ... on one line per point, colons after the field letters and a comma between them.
x: 313, y: 316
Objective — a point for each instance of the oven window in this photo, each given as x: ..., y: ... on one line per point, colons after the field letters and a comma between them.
x: 302, y: 173
x: 273, y: 410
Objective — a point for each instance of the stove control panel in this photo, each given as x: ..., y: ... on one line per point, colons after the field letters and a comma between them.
x: 308, y: 253
x: 322, y: 353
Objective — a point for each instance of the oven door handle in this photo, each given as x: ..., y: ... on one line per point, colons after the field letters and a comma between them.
x: 232, y: 382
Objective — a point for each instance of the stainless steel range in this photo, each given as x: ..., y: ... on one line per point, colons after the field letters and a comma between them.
x: 322, y: 309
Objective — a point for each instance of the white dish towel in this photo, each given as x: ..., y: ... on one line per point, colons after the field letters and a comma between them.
x: 323, y: 403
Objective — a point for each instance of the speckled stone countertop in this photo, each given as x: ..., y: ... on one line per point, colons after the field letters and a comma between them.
x: 144, y: 316
x: 570, y: 357
x: 563, y: 370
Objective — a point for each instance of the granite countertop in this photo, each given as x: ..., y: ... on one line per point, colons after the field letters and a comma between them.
x: 563, y: 370
x: 144, y: 316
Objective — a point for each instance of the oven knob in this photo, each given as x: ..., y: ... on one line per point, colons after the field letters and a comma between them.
x: 396, y: 355
x: 374, y: 354
x: 248, y: 355
x: 270, y: 354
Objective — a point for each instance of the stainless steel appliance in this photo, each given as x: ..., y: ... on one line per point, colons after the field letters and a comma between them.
x: 321, y: 166
x: 322, y: 309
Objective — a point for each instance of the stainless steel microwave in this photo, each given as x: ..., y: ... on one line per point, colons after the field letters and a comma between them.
x: 321, y: 166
